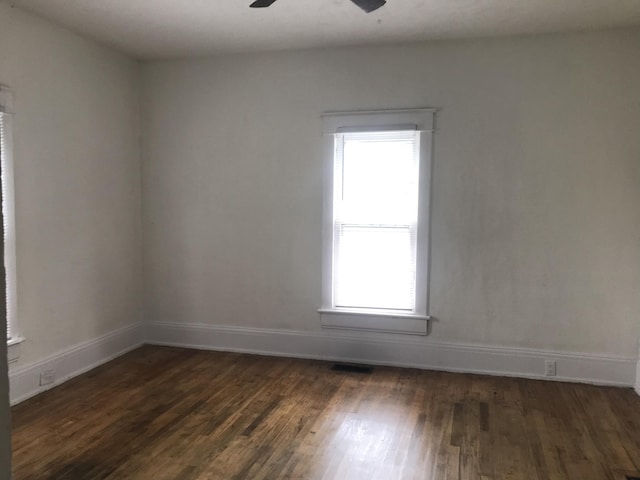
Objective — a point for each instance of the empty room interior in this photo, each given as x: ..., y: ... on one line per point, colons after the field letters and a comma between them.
x: 330, y: 239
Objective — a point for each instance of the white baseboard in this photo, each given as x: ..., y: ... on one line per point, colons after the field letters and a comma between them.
x: 25, y: 381
x: 401, y: 352
x: 516, y: 362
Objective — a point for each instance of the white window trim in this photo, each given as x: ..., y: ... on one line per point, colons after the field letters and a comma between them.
x: 13, y: 349
x: 6, y: 109
x: 415, y: 323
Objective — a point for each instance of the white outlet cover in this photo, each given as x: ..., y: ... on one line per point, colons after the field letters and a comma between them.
x: 550, y: 368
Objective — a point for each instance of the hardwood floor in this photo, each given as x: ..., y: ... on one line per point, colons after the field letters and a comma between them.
x: 164, y: 413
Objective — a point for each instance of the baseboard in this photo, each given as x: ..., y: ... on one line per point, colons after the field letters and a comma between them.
x: 25, y: 381
x: 637, y: 387
x: 405, y: 352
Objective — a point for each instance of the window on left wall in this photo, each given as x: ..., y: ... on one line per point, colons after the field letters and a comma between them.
x: 8, y: 218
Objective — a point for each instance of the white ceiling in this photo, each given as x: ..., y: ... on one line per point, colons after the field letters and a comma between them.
x: 150, y: 29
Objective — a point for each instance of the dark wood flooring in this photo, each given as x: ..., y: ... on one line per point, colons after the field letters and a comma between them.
x: 165, y: 413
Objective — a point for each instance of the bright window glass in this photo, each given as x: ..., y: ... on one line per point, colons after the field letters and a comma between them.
x: 375, y: 216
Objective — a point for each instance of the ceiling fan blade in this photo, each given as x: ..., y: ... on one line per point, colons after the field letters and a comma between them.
x: 369, y: 5
x: 261, y: 3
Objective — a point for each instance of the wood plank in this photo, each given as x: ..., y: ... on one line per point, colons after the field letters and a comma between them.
x: 167, y: 413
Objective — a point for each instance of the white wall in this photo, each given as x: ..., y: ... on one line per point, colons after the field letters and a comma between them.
x: 77, y: 183
x: 536, y: 200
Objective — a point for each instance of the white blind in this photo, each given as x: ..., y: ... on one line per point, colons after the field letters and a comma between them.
x: 375, y: 215
x: 3, y: 151
x: 8, y: 220
x: 8, y: 210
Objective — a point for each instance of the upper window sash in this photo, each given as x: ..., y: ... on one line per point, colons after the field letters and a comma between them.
x: 375, y: 201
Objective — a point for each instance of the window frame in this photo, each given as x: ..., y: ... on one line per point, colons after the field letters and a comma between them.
x: 389, y: 321
x: 8, y: 216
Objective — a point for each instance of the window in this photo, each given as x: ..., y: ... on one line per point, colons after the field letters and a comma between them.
x: 375, y: 202
x: 376, y: 212
x: 8, y: 216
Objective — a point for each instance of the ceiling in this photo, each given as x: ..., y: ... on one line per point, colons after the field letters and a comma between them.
x: 152, y: 29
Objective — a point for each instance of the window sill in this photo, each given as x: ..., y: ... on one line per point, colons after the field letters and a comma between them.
x: 13, y: 349
x: 381, y: 321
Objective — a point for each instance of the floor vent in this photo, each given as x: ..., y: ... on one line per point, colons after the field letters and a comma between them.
x: 349, y: 367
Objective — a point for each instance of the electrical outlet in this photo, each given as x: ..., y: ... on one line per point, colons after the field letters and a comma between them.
x: 550, y: 368
x: 48, y: 377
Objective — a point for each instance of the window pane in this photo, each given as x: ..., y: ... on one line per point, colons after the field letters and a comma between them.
x: 378, y: 179
x: 375, y: 220
x: 374, y: 267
